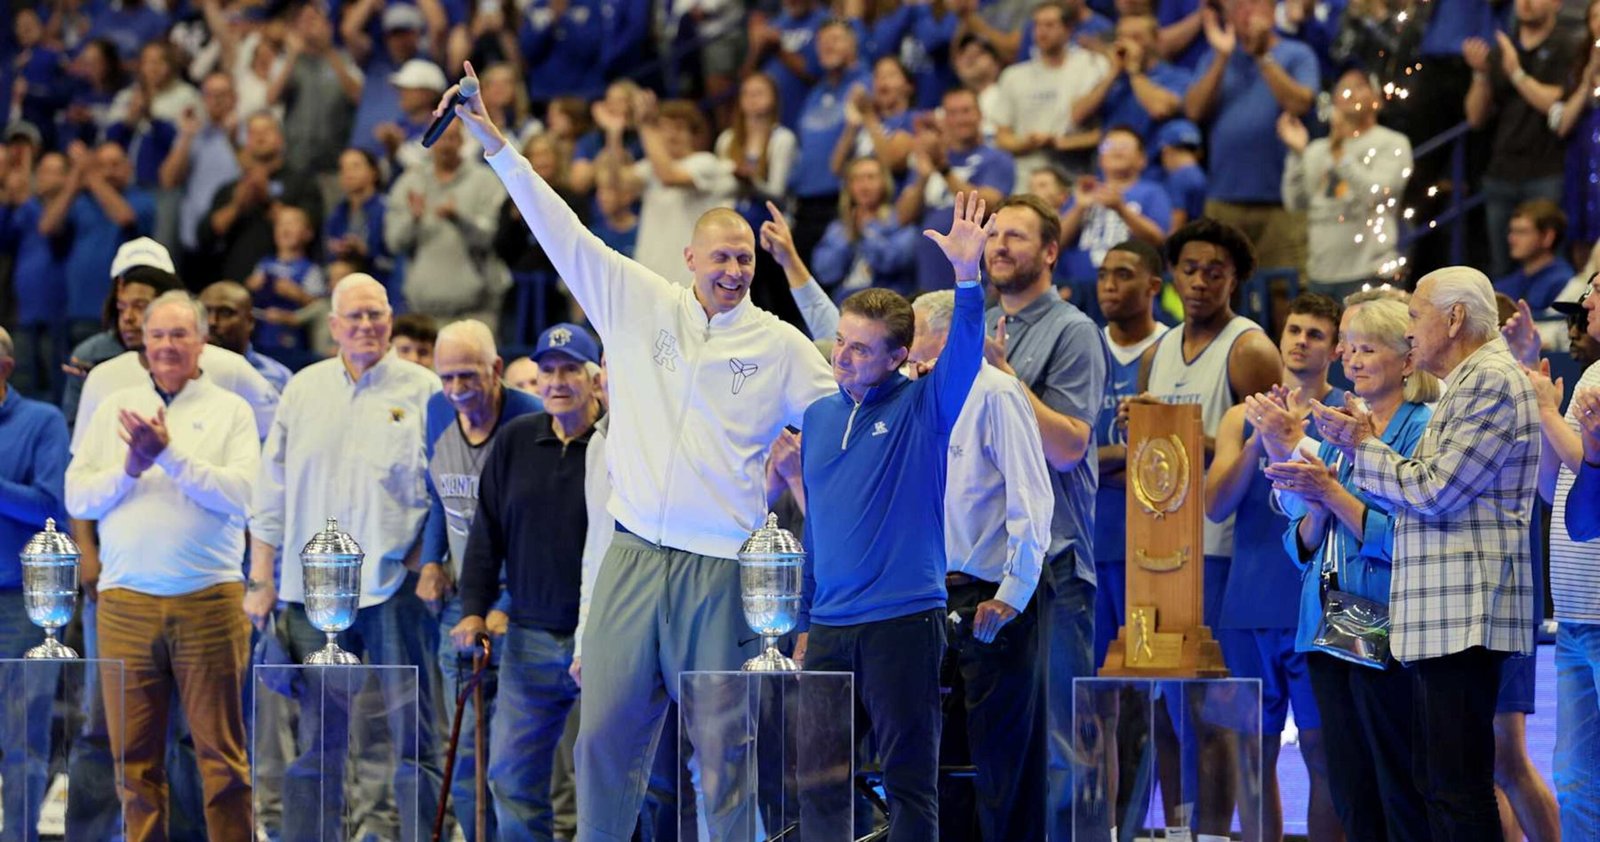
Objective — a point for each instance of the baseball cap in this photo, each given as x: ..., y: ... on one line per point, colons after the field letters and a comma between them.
x: 403, y: 16
x: 1177, y: 133
x: 1573, y: 305
x: 25, y: 130
x: 419, y: 73
x: 141, y: 252
x: 568, y: 339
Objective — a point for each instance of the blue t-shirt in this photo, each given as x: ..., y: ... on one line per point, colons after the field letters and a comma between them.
x: 48, y: 89
x: 1104, y: 228
x: 1453, y: 22
x: 95, y: 239
x: 1187, y: 188
x: 981, y: 166
x: 563, y: 56
x: 921, y: 41
x: 798, y: 35
x: 147, y: 145
x: 1122, y: 108
x: 1169, y: 12
x: 1540, y: 288
x: 301, y: 270
x: 39, y: 276
x: 1263, y: 578
x: 588, y: 147
x: 821, y: 123
x: 622, y: 242
x: 380, y: 101
x: 380, y: 261
x: 1245, y: 154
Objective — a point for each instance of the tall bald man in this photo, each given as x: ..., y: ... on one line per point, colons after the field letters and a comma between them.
x: 703, y: 381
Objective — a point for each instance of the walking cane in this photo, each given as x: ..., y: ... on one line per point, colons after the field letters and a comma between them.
x: 474, y: 688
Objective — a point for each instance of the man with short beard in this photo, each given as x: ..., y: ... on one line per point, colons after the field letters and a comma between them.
x: 237, y: 233
x: 1057, y: 354
x: 463, y: 427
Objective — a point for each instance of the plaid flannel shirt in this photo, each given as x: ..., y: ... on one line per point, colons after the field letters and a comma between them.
x: 1462, y: 502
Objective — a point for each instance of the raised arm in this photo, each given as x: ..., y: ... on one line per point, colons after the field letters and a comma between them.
x: 952, y: 379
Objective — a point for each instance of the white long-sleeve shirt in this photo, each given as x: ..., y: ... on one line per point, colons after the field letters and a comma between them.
x: 695, y: 402
x: 997, y: 499
x: 353, y: 450
x: 232, y: 372
x: 178, y: 527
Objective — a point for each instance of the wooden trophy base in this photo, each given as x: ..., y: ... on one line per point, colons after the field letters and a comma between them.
x: 1191, y: 654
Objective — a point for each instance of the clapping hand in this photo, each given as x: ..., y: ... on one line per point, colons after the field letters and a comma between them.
x: 1510, y: 63
x: 996, y: 350
x: 1546, y: 391
x: 1475, y: 51
x: 778, y: 240
x: 1586, y: 406
x: 1293, y: 133
x: 969, y: 233
x: 1279, y: 417
x: 1219, y: 34
x: 1522, y: 335
x: 146, y: 438
x: 1344, y: 428
x: 1311, y: 479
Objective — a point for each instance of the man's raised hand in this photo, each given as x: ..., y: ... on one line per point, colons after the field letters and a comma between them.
x: 778, y: 240
x: 473, y: 114
x: 969, y: 233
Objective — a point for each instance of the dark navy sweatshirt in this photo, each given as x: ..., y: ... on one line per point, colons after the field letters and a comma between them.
x: 874, y: 477
x: 33, y: 467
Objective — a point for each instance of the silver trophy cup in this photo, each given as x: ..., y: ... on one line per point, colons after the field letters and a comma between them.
x: 770, y: 580
x: 50, y: 587
x: 330, y: 567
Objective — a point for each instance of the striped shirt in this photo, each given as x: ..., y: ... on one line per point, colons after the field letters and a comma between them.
x: 1572, y: 563
x: 1462, y: 566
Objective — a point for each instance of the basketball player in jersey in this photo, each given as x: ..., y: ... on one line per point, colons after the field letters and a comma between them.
x: 1129, y: 280
x: 1214, y: 361
x: 1257, y: 621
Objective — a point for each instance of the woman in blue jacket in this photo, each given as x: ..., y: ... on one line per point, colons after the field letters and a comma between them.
x: 1366, y: 712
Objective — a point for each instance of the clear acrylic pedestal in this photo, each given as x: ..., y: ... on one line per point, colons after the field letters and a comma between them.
x: 56, y: 756
x: 770, y: 756
x: 1175, y: 759
x: 328, y: 753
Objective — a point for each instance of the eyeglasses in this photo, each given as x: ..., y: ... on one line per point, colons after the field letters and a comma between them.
x: 359, y: 316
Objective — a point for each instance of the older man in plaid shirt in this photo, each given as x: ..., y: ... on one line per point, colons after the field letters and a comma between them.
x: 1461, y: 598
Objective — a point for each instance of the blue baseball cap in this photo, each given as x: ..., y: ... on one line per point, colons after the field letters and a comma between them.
x: 1177, y: 133
x: 569, y: 339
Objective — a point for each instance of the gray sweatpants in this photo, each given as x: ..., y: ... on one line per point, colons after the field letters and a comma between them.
x: 655, y: 612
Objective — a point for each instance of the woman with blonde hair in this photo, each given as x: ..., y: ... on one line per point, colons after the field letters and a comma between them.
x: 866, y: 246
x: 1343, y: 540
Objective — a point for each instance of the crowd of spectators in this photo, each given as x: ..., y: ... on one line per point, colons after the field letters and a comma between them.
x: 200, y: 122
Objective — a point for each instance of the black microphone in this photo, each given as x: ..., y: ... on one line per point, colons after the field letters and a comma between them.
x: 468, y: 90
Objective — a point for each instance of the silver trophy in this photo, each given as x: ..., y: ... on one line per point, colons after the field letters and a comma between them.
x: 50, y: 587
x: 770, y: 581
x: 330, y: 568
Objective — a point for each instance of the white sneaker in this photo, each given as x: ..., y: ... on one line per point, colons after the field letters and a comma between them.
x: 1291, y: 731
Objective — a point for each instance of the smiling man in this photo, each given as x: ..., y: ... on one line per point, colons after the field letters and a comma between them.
x: 463, y: 426
x: 702, y: 381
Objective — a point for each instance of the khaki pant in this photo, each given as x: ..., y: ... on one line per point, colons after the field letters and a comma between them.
x: 198, y: 644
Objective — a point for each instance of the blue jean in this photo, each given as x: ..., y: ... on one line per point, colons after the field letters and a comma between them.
x: 455, y: 668
x: 24, y: 757
x: 536, y: 694
x: 393, y: 633
x: 1500, y: 200
x: 1577, y: 755
x: 1068, y: 618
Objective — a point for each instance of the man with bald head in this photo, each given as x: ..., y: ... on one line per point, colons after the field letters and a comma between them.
x: 703, y: 382
x: 348, y: 443
x: 523, y: 373
x: 233, y: 321
x: 464, y: 422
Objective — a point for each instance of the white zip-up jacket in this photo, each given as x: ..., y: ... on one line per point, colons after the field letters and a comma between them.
x: 695, y: 402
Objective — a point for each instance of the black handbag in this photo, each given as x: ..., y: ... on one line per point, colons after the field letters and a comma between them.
x: 1353, y: 628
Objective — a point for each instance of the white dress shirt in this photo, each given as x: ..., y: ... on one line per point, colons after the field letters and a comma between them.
x: 352, y: 450
x: 179, y: 527
x: 997, y: 498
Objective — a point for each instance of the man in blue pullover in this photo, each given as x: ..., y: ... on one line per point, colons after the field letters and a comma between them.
x: 873, y: 459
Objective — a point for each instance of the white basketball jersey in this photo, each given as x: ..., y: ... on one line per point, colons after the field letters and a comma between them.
x: 1204, y: 382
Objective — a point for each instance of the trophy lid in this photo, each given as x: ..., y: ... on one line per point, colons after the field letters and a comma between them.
x: 772, y: 541
x: 50, y: 544
x: 331, y: 543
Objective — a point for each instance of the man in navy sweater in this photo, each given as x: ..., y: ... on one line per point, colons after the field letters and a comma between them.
x: 874, y: 580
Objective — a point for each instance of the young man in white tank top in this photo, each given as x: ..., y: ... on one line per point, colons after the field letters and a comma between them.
x: 1215, y: 360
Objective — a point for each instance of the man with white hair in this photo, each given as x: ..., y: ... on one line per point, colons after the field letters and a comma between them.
x: 463, y: 426
x: 348, y: 443
x: 165, y: 466
x: 998, y: 505
x: 1462, y: 598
